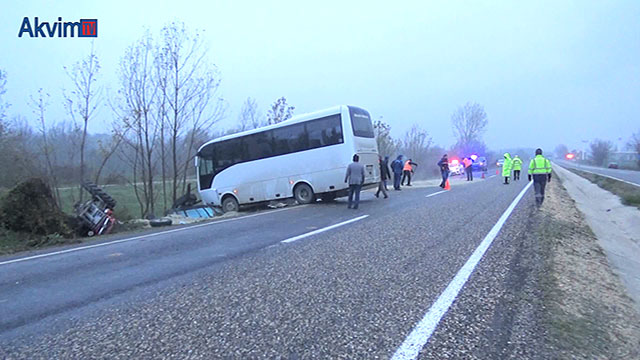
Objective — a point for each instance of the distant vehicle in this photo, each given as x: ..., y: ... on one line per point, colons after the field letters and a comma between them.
x: 500, y: 162
x: 479, y: 164
x: 612, y: 165
x: 456, y: 167
x: 302, y: 157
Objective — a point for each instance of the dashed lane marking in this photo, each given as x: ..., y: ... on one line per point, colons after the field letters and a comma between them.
x: 410, y: 348
x: 436, y: 193
x: 295, y: 238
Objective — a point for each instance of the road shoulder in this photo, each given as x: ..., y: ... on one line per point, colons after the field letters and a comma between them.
x: 616, y: 226
x: 588, y: 313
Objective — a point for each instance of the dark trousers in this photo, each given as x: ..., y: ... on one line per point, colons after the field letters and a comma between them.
x: 469, y: 173
x: 396, y: 180
x: 406, y: 174
x: 539, y: 183
x: 382, y: 188
x: 516, y: 174
x: 354, y: 189
x: 506, y: 179
x: 445, y: 176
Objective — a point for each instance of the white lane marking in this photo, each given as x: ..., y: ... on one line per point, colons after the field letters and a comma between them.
x: 436, y: 193
x: 595, y: 173
x: 138, y: 237
x: 492, y: 176
x: 419, y: 336
x: 323, y: 229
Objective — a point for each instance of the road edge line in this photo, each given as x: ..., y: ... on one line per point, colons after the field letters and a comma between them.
x: 318, y: 231
x: 421, y: 333
x: 39, y: 256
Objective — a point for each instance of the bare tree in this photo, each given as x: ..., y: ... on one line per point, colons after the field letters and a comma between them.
x: 561, y: 150
x: 138, y: 94
x: 188, y: 85
x: 39, y: 106
x: 249, y: 117
x: 600, y: 150
x: 108, y: 149
x: 3, y: 106
x: 416, y: 143
x: 386, y: 144
x: 84, y: 99
x: 280, y: 111
x: 634, y: 144
x: 469, y: 122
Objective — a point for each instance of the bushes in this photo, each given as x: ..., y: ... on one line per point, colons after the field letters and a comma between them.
x: 31, y: 208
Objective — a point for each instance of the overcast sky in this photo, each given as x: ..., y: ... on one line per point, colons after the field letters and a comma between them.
x: 546, y: 72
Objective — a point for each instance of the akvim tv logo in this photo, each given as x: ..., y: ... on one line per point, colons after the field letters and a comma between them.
x: 82, y: 28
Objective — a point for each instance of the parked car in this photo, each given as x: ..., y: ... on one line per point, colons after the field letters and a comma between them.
x: 500, y: 162
x: 612, y: 165
x: 455, y: 167
x: 479, y: 164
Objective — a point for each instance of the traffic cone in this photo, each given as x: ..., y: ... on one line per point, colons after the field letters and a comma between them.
x: 447, y: 186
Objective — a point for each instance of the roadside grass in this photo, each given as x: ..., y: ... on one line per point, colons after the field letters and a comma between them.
x: 127, y: 209
x: 13, y: 242
x: 629, y: 194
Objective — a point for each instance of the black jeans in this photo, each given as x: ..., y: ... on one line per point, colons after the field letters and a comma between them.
x: 406, y: 174
x: 539, y: 183
x: 469, y: 173
x: 516, y: 174
x: 354, y: 189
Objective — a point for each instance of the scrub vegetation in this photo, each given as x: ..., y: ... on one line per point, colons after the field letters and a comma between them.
x: 629, y: 194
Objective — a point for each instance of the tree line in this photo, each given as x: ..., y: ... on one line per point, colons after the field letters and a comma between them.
x: 468, y: 123
x: 166, y: 105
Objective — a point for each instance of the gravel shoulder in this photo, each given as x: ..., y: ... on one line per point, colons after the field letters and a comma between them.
x: 588, y: 312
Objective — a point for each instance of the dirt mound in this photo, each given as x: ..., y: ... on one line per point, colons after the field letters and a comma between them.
x: 30, y: 207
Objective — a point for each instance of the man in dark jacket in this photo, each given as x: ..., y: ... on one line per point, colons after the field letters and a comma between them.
x: 384, y: 175
x: 396, y: 167
x: 355, y: 179
x: 444, y: 169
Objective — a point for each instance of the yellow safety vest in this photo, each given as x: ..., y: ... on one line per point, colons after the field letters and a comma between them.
x: 539, y: 165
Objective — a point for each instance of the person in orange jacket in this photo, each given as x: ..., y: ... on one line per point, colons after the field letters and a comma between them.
x: 467, y: 168
x: 407, y: 170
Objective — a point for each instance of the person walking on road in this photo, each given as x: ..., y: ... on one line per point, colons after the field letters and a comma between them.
x: 407, y: 170
x: 355, y: 178
x: 540, y: 171
x: 384, y: 175
x: 506, y: 168
x: 385, y: 170
x: 444, y: 169
x: 396, y: 167
x: 517, y: 166
x: 467, y: 168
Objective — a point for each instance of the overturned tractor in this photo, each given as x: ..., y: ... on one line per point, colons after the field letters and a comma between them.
x: 96, y: 214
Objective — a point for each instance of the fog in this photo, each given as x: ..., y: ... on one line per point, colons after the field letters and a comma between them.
x: 546, y: 72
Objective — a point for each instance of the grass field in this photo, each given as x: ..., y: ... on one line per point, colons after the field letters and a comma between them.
x: 127, y: 206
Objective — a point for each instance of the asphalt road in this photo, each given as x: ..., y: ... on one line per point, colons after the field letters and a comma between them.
x: 626, y: 175
x: 232, y: 288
